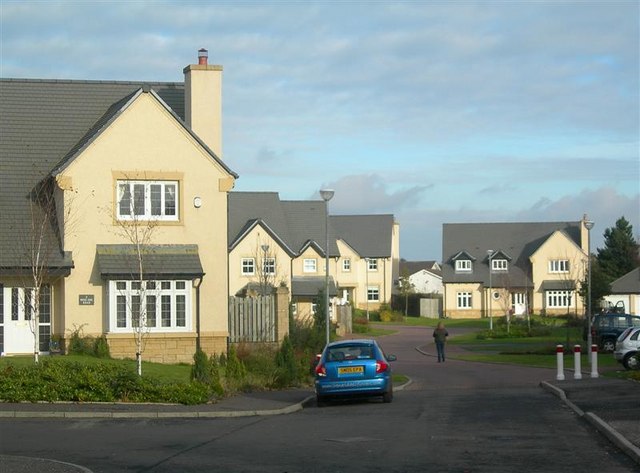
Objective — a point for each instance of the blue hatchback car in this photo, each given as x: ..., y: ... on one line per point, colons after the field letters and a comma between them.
x: 353, y: 368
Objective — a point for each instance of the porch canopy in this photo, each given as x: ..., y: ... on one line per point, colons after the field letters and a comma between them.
x: 158, y: 262
x: 558, y: 285
x: 310, y: 286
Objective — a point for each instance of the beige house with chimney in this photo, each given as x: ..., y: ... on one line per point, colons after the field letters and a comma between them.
x: 495, y: 269
x: 127, y: 165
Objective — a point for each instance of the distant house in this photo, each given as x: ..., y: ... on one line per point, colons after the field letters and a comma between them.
x: 275, y: 242
x: 626, y: 290
x: 425, y: 276
x: 104, y: 158
x: 500, y: 268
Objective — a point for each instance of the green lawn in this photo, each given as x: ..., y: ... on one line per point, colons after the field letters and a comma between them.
x: 605, y: 360
x: 558, y: 336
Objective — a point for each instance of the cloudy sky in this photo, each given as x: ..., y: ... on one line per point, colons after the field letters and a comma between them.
x: 435, y: 111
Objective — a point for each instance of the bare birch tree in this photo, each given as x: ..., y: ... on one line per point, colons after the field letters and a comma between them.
x: 139, y: 232
x: 405, y: 288
x: 267, y: 267
x: 41, y: 249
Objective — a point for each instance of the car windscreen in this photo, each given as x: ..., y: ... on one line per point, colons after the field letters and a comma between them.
x: 350, y: 352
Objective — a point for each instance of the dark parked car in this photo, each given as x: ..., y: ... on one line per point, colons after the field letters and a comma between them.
x: 353, y: 368
x: 607, y: 327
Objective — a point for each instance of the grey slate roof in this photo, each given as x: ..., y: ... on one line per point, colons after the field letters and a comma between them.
x: 308, y: 286
x: 369, y: 235
x: 307, y: 220
x: 295, y: 224
x: 412, y: 267
x: 517, y: 240
x: 43, y: 123
x: 627, y: 284
x: 159, y: 261
x: 300, y: 223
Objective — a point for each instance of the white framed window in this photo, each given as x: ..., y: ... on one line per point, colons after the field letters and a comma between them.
x: 499, y: 265
x: 463, y: 300
x: 559, y: 266
x: 463, y: 266
x: 309, y: 265
x: 346, y: 265
x: 248, y: 266
x: 373, y: 294
x: 163, y: 306
x: 372, y: 264
x: 269, y: 266
x: 147, y: 200
x: 559, y: 299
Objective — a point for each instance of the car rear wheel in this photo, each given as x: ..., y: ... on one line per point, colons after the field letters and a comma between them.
x: 608, y: 345
x: 321, y: 401
x: 630, y: 361
x: 388, y: 396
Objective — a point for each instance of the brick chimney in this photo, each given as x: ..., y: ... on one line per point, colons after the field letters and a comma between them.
x: 203, y: 101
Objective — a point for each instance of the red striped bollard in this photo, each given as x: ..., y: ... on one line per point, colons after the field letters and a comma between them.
x: 594, y: 361
x: 577, y: 373
x: 560, y: 362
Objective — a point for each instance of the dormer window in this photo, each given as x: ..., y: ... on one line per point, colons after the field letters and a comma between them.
x: 499, y: 265
x: 463, y: 266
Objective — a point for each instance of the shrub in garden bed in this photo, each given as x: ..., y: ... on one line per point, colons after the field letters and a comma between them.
x: 518, y: 328
x: 61, y: 380
x: 360, y: 325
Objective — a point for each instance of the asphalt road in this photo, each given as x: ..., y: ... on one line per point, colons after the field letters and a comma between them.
x: 453, y: 417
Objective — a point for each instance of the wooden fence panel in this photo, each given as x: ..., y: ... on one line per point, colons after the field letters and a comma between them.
x: 252, y: 319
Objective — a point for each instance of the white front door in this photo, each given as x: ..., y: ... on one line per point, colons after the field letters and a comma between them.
x: 519, y: 302
x: 18, y: 333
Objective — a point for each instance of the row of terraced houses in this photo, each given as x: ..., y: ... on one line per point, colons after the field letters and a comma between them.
x: 85, y: 162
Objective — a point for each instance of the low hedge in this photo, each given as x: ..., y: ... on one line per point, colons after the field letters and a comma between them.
x: 60, y: 380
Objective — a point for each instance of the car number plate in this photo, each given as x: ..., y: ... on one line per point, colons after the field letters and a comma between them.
x: 350, y: 369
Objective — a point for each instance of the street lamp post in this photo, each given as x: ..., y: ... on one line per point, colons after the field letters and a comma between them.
x: 263, y: 272
x: 490, y: 254
x: 589, y: 225
x: 327, y: 195
x: 366, y: 289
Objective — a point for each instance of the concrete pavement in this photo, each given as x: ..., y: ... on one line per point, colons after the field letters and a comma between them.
x: 610, y: 405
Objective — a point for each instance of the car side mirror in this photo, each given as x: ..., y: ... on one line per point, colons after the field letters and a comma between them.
x: 391, y: 358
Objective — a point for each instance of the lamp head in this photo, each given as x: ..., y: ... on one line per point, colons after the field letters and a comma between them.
x: 326, y: 194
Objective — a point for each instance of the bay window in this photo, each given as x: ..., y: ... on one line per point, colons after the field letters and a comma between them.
x: 158, y: 305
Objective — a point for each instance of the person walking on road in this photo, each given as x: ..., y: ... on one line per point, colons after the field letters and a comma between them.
x: 440, y: 335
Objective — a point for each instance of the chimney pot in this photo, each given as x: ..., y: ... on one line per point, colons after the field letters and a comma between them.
x: 203, y: 56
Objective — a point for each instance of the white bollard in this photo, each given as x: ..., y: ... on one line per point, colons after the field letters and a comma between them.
x: 594, y: 361
x: 560, y: 362
x: 577, y: 373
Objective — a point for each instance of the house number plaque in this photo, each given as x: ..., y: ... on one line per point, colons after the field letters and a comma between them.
x: 85, y: 299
